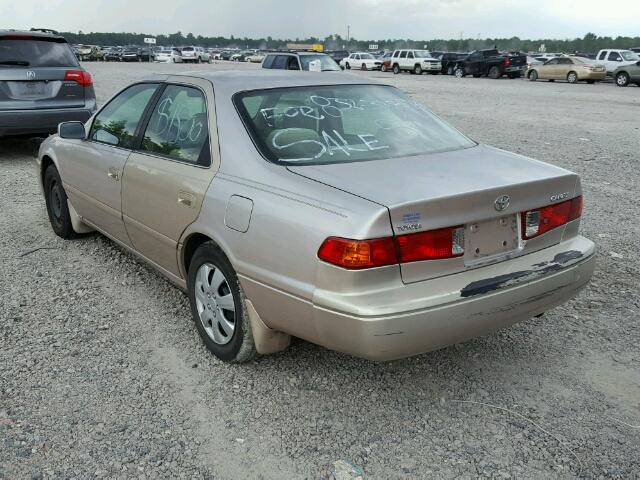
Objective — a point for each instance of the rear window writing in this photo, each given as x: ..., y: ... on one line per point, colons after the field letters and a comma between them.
x: 343, y: 123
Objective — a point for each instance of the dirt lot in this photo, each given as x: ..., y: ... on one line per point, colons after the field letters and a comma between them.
x: 102, y: 372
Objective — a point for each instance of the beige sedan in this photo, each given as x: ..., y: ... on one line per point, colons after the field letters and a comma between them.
x: 571, y: 69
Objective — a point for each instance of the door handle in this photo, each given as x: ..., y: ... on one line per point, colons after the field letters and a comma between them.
x: 186, y: 199
x: 113, y: 173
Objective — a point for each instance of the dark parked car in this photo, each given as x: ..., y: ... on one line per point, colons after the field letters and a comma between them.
x: 136, y: 54
x: 41, y: 84
x: 113, y: 54
x: 338, y: 55
x: 299, y: 61
x: 448, y: 60
x: 491, y: 63
x: 226, y: 55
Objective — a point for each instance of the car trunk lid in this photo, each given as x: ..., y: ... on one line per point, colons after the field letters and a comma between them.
x: 458, y: 188
x: 37, y: 88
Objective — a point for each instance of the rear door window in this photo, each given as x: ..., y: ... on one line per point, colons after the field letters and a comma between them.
x: 117, y: 122
x: 28, y: 51
x: 281, y: 62
x: 178, y: 127
x: 403, y: 54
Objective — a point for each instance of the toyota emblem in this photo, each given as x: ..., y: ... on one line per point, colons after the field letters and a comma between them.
x: 31, y: 75
x: 502, y: 203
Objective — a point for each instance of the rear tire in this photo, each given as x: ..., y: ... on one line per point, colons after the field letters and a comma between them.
x: 494, y: 73
x: 212, y: 282
x: 57, y: 207
x: 450, y: 70
x: 347, y: 66
x: 622, y: 79
x: 383, y: 68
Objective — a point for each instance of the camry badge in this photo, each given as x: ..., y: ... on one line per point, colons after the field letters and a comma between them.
x: 502, y: 203
x: 31, y: 75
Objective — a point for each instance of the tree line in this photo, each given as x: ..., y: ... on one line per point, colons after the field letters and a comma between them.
x: 590, y: 43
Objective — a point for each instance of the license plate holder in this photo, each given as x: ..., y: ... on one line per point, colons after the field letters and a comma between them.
x: 491, y: 238
x: 31, y: 89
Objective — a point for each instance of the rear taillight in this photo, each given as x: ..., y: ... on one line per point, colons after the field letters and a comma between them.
x: 80, y: 77
x: 507, y: 62
x: 358, y: 254
x: 431, y: 245
x: 539, y: 221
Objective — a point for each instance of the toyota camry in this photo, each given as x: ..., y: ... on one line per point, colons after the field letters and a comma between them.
x: 326, y: 207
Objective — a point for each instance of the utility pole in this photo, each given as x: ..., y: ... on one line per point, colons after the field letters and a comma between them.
x: 348, y: 33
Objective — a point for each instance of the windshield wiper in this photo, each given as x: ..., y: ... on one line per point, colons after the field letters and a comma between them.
x: 21, y: 63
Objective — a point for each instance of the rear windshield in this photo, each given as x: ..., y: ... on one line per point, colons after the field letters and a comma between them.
x: 35, y: 53
x: 187, y: 49
x: 326, y: 62
x: 342, y: 123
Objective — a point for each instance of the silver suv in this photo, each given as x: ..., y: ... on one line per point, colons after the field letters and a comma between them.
x: 41, y: 84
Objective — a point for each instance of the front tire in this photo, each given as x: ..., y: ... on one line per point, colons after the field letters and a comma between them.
x: 533, y: 75
x: 459, y: 72
x: 396, y: 69
x: 572, y: 77
x: 218, y: 306
x: 417, y: 70
x: 622, y: 79
x: 364, y: 67
x: 57, y: 207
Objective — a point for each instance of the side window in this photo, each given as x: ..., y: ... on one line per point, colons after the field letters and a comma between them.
x: 602, y: 55
x: 395, y: 54
x: 117, y: 122
x: 178, y: 126
x: 403, y: 54
x: 357, y: 57
x: 268, y: 61
x: 553, y: 61
x: 293, y: 64
x: 615, y: 57
x: 409, y: 54
x: 280, y: 62
x: 565, y: 61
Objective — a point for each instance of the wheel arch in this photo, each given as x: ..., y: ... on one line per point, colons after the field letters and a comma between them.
x: 190, y: 244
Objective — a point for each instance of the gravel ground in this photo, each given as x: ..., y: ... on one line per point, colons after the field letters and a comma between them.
x: 102, y: 372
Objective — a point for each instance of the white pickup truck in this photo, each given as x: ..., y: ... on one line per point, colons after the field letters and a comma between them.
x: 613, y: 58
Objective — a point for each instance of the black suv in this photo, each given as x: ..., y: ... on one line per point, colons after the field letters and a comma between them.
x: 299, y: 61
x: 41, y: 84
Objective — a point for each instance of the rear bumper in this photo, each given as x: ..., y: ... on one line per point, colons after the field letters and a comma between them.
x: 26, y: 122
x: 458, y: 307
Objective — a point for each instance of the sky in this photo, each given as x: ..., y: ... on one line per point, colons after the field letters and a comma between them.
x: 369, y: 19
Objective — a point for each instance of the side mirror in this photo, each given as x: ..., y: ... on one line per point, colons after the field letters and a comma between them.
x: 72, y: 130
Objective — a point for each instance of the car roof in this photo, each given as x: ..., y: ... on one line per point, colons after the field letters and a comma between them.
x: 30, y: 33
x: 229, y: 82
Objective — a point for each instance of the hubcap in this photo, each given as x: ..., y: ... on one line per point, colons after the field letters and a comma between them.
x: 622, y: 80
x: 572, y: 77
x: 215, y: 304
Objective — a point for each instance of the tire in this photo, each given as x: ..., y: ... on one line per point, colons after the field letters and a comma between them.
x: 494, y: 73
x: 364, y: 67
x: 173, y: 60
x: 417, y: 70
x: 199, y: 60
x: 396, y: 69
x: 383, y: 68
x: 459, y: 72
x: 591, y: 82
x: 347, y: 66
x: 212, y: 278
x: 56, y: 201
x: 533, y: 75
x: 622, y: 79
x: 450, y: 70
x: 572, y: 77
x: 139, y: 59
